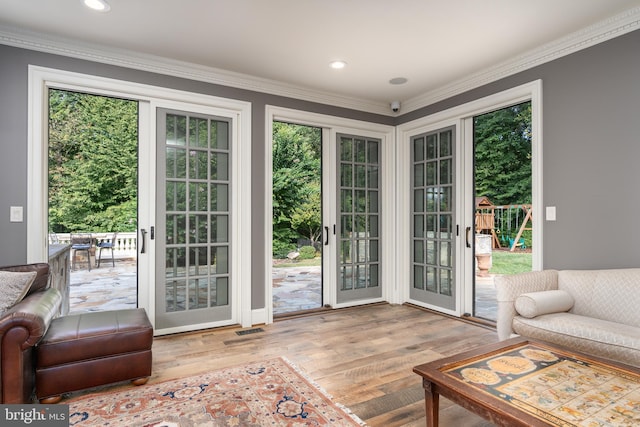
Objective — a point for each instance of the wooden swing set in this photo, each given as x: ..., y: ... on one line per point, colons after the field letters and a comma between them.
x: 485, y: 222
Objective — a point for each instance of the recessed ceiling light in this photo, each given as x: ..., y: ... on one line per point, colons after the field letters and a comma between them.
x: 398, y: 80
x: 337, y: 65
x: 99, y: 5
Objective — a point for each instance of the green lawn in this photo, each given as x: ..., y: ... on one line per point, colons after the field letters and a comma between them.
x: 504, y: 262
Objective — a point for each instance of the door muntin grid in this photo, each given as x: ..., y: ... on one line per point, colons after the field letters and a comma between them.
x: 432, y: 228
x: 359, y: 217
x: 197, y: 215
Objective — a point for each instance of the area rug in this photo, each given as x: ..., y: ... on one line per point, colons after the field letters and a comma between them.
x: 268, y: 393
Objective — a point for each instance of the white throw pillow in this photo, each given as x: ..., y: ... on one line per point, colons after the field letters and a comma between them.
x: 544, y: 302
x: 13, y: 287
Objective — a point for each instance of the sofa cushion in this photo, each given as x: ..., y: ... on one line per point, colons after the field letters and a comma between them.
x: 612, y: 295
x: 13, y: 287
x: 592, y: 336
x: 534, y: 304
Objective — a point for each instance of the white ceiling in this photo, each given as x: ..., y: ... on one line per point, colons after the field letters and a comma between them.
x: 437, y: 45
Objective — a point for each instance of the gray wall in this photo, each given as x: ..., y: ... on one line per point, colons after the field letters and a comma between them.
x: 591, y: 149
x: 591, y: 152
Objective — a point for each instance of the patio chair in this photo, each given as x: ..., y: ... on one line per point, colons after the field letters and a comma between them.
x: 80, y: 242
x: 108, y: 244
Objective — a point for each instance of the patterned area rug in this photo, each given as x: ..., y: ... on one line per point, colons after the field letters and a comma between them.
x: 269, y: 393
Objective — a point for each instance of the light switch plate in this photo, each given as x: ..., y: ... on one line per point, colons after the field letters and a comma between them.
x: 16, y: 214
x: 551, y: 213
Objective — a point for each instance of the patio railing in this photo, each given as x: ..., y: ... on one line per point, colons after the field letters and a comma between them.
x: 125, y: 246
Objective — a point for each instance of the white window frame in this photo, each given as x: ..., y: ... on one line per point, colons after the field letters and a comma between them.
x: 332, y: 126
x: 462, y: 118
x: 41, y: 79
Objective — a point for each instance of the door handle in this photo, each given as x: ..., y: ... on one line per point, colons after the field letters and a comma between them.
x: 326, y: 242
x: 468, y: 230
x: 144, y: 236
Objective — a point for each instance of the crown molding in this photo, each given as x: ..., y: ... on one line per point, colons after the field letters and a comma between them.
x: 151, y: 63
x: 608, y: 29
x: 605, y: 30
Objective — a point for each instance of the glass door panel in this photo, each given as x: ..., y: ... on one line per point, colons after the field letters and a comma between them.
x: 93, y: 162
x: 193, y: 215
x: 503, y: 192
x: 298, y: 242
x: 359, y: 217
x: 433, y: 234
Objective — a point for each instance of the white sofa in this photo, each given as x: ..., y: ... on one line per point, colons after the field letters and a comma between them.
x: 592, y: 311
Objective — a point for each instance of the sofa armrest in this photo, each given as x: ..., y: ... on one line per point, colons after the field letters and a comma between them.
x: 21, y: 328
x: 509, y: 287
x: 33, y: 313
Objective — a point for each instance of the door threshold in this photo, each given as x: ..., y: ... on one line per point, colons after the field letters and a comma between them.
x: 315, y: 311
x: 478, y: 321
x: 300, y: 313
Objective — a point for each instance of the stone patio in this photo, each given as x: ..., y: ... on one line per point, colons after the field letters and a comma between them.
x: 294, y: 289
x: 104, y: 288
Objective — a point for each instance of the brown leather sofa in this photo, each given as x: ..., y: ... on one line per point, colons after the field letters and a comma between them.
x: 21, y: 328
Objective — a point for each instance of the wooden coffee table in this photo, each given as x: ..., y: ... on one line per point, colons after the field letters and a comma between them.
x: 520, y: 382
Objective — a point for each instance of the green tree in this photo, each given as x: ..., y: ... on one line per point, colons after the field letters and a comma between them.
x: 296, y: 185
x: 503, y: 155
x: 306, y: 217
x: 93, y: 143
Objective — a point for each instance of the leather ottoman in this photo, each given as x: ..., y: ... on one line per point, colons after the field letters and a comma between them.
x: 93, y: 349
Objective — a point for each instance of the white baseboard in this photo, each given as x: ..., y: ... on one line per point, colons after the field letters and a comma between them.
x: 259, y: 316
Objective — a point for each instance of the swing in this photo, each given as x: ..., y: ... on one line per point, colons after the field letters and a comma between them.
x: 518, y: 240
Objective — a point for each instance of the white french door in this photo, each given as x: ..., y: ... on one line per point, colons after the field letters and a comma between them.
x: 194, y: 285
x: 436, y: 205
x: 434, y: 218
x: 232, y: 224
x: 357, y: 208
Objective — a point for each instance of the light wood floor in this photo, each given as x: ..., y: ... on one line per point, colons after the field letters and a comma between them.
x: 362, y: 356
